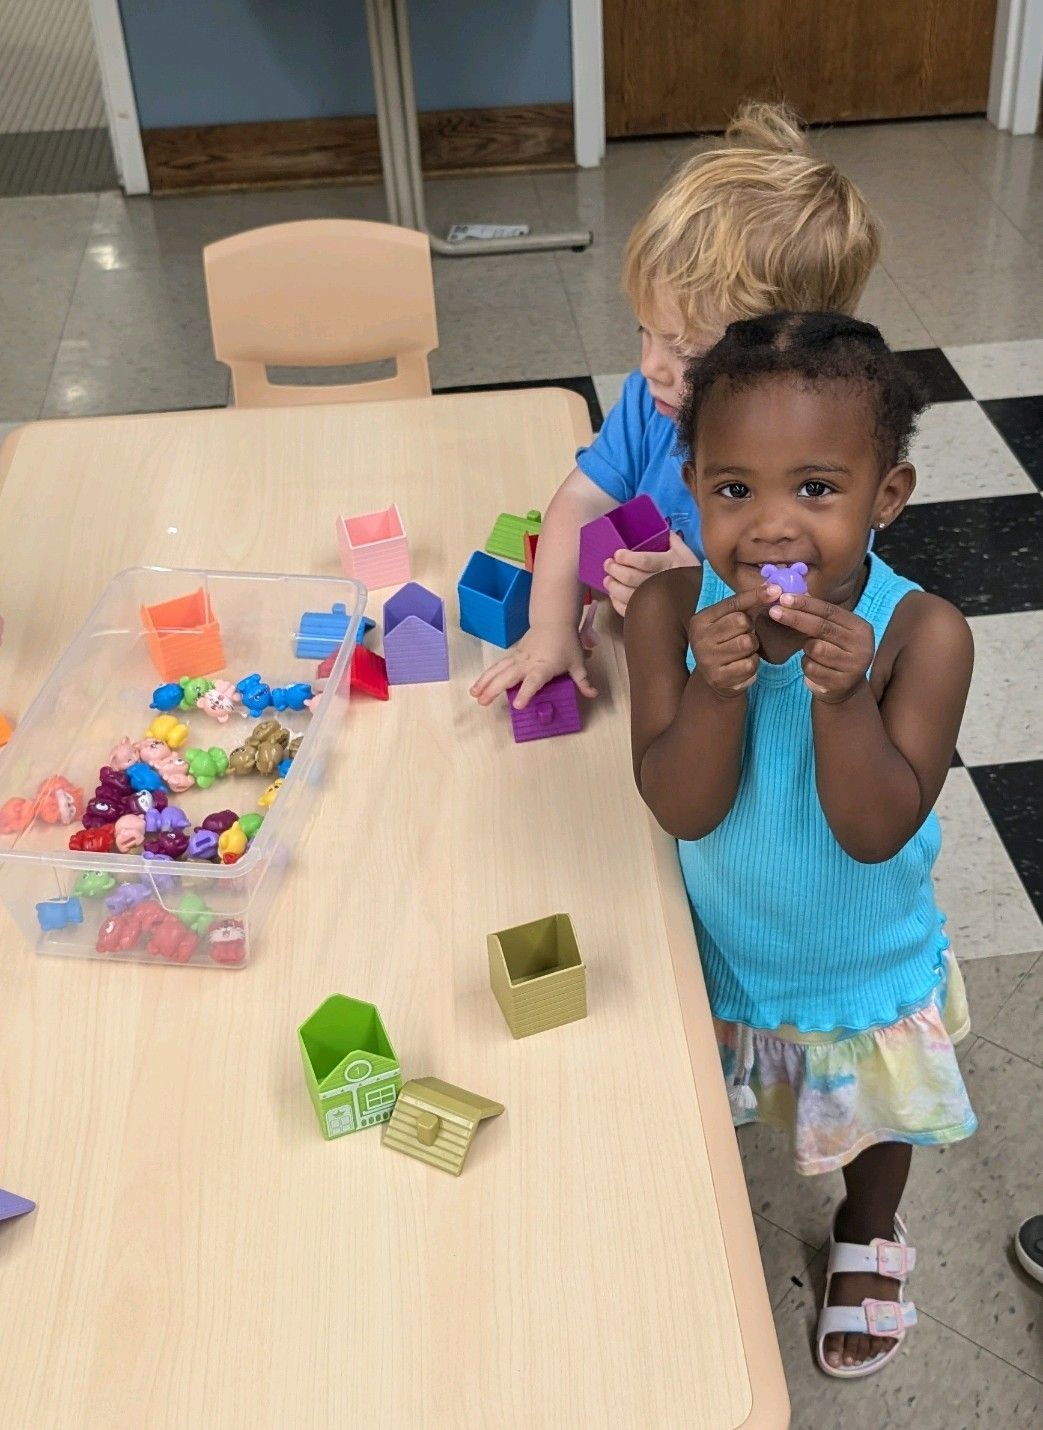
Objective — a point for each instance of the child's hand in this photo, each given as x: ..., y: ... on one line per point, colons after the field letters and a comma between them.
x: 839, y: 647
x: 630, y: 569
x: 542, y: 653
x: 724, y: 643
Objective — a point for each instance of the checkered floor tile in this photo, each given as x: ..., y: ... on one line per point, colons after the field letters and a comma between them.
x: 974, y: 534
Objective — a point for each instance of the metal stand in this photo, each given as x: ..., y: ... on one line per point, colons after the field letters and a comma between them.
x: 388, y: 23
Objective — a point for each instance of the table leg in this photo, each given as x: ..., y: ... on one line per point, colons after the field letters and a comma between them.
x: 392, y: 61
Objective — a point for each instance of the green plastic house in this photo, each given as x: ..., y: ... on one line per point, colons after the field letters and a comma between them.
x: 507, y: 538
x: 352, y: 1070
x: 537, y: 975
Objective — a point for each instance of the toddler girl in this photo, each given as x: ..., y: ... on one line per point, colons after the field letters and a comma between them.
x: 796, y: 754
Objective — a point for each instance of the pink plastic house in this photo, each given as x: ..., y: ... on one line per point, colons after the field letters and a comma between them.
x: 554, y: 710
x: 416, y: 647
x: 373, y: 548
x: 637, y: 525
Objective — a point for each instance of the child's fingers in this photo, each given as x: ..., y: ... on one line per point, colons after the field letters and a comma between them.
x: 821, y: 624
x: 497, y: 679
x: 643, y: 563
x: 531, y: 685
x: 578, y: 671
x: 618, y: 595
x: 743, y: 644
x: 746, y: 601
x: 739, y: 674
x: 627, y: 575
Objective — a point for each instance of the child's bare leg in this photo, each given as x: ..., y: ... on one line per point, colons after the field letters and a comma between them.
x: 875, y: 1181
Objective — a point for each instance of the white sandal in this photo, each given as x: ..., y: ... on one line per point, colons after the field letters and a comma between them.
x: 894, y: 1259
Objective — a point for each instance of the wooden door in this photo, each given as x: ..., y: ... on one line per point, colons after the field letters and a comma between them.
x: 677, y: 66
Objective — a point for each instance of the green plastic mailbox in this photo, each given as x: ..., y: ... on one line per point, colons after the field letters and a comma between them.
x: 352, y: 1070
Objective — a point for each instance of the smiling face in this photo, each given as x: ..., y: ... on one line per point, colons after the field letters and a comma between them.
x: 786, y: 472
x: 667, y: 349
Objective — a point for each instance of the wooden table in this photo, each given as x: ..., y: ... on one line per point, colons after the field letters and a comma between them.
x: 200, y: 1256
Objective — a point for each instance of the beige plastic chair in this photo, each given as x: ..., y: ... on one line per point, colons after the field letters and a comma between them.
x: 322, y: 293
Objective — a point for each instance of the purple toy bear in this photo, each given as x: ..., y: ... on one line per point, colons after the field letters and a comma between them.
x: 790, y: 578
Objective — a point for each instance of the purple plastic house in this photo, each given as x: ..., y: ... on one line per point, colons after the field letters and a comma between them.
x: 416, y: 647
x: 12, y: 1205
x: 637, y: 525
x: 554, y: 710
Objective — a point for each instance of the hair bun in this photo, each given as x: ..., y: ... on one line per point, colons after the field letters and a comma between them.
x: 774, y: 128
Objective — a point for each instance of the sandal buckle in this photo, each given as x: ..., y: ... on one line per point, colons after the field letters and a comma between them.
x: 893, y: 1259
x: 883, y: 1318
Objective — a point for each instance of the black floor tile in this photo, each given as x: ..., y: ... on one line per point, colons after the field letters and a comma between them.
x: 59, y: 161
x: 986, y: 555
x: 1013, y: 795
x: 1019, y: 421
x: 940, y: 379
x: 583, y: 385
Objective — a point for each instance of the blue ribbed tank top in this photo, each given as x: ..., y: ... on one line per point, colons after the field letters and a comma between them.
x: 791, y: 929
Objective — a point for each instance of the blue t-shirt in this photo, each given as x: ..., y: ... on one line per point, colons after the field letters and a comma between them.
x: 636, y: 451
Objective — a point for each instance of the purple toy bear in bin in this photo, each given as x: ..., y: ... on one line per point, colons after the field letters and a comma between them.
x: 790, y: 578
x: 637, y: 525
x: 554, y: 710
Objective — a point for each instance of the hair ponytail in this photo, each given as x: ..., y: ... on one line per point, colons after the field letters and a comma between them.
x: 772, y: 128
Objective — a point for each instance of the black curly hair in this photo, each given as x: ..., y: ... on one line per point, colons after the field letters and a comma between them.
x: 812, y: 348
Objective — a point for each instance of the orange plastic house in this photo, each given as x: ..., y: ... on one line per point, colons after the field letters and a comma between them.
x: 183, y: 636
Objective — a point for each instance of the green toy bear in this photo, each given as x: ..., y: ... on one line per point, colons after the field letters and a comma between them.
x: 206, y: 766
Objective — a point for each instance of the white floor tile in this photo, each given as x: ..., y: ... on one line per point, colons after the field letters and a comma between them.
x: 1000, y: 369
x: 958, y: 455
x: 1004, y: 717
x: 608, y: 389
x: 977, y: 886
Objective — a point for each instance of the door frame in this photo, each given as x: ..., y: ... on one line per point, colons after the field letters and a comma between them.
x: 1017, y: 66
x: 588, y: 82
x: 117, y: 87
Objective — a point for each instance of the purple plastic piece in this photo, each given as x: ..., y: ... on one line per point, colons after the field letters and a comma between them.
x: 554, y: 710
x: 203, y: 845
x: 157, y: 854
x: 637, y: 525
x: 416, y: 648
x: 790, y: 578
x: 126, y: 896
x: 220, y: 821
x: 12, y: 1205
x: 163, y: 821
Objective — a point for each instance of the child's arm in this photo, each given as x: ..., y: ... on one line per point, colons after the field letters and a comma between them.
x: 687, y: 730
x: 551, y: 646
x: 882, y: 746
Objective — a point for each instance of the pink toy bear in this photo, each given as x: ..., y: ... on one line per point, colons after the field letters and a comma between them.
x: 221, y: 701
x: 167, y: 763
x: 130, y: 832
x: 174, y: 770
x: 124, y: 755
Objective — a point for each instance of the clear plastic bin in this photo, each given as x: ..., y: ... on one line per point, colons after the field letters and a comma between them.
x: 101, y: 689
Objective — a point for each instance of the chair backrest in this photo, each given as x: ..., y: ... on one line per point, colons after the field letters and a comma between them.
x: 322, y: 293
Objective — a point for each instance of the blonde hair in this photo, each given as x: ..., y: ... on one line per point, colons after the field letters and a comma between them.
x: 757, y: 225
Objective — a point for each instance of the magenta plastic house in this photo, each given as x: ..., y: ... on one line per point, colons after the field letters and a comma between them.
x: 416, y: 648
x: 637, y: 525
x: 373, y: 548
x: 554, y: 710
